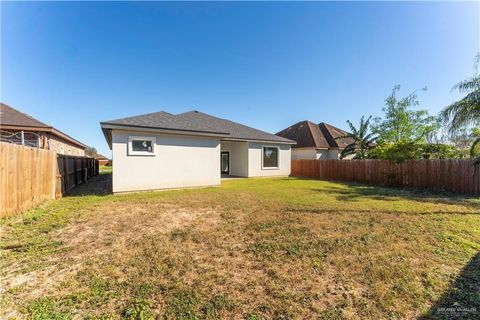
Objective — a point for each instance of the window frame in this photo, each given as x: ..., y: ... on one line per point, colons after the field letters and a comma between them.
x: 131, y: 152
x: 263, y: 158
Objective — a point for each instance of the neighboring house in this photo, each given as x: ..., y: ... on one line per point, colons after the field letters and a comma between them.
x: 20, y: 128
x: 162, y: 150
x: 315, y: 141
x: 102, y: 160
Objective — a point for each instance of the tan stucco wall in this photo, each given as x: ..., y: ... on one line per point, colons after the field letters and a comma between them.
x: 334, y: 154
x: 314, y: 154
x: 180, y: 161
x: 255, y: 154
x: 238, y: 157
x: 304, y: 154
x: 331, y: 154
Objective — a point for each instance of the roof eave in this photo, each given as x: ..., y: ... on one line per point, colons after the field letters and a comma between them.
x: 108, y: 136
x: 22, y: 127
x: 290, y: 142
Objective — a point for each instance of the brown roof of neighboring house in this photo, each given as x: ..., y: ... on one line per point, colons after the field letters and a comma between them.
x: 11, y: 118
x: 101, y: 157
x: 310, y: 135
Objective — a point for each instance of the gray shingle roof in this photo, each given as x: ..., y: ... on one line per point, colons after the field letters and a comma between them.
x: 196, y: 121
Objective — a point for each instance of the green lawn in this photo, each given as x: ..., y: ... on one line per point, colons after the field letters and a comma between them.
x: 105, y: 169
x: 250, y: 249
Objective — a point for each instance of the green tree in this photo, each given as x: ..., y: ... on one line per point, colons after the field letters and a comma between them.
x: 91, y: 152
x: 401, y: 122
x: 440, y: 151
x: 465, y: 112
x: 362, y: 140
x: 396, y: 151
x: 475, y: 149
x: 464, y: 138
x: 411, y: 149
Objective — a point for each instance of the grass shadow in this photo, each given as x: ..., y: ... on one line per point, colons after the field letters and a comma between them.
x: 357, y: 192
x: 100, y: 185
x: 462, y: 301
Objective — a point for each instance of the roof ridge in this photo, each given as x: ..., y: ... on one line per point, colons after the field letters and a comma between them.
x: 310, y: 124
x: 227, y: 120
x: 327, y: 134
x: 330, y: 125
x: 142, y: 115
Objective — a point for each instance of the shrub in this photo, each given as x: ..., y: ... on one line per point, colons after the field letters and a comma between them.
x: 408, y: 149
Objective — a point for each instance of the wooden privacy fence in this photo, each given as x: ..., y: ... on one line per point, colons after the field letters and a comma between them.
x: 75, y: 171
x: 29, y: 176
x: 451, y: 175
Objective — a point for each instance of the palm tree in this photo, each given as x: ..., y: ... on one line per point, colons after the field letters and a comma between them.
x: 466, y: 112
x: 362, y: 140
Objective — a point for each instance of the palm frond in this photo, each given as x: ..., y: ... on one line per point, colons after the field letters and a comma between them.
x: 468, y: 85
x: 463, y: 113
x: 361, y: 138
x: 352, y: 128
x: 369, y: 137
x: 347, y: 136
x: 473, y: 151
x: 350, y: 149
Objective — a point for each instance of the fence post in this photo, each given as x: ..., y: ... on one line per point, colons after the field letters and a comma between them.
x: 75, y: 166
x: 54, y: 176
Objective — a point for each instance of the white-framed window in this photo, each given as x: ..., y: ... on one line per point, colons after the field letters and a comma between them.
x: 141, y: 146
x: 270, y: 157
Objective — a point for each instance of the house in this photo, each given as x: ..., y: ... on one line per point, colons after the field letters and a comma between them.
x: 315, y: 141
x: 102, y: 160
x: 20, y: 128
x: 162, y: 150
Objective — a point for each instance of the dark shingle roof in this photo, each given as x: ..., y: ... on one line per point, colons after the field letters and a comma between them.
x: 310, y: 135
x: 196, y: 121
x: 331, y: 133
x: 12, y: 117
x: 306, y: 133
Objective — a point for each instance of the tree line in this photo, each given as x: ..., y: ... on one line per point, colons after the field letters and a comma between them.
x: 407, y: 133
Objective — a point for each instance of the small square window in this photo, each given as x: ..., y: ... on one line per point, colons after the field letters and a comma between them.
x: 138, y: 146
x: 270, y: 157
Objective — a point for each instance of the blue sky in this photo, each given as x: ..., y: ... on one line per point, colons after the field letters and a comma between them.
x: 267, y: 65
